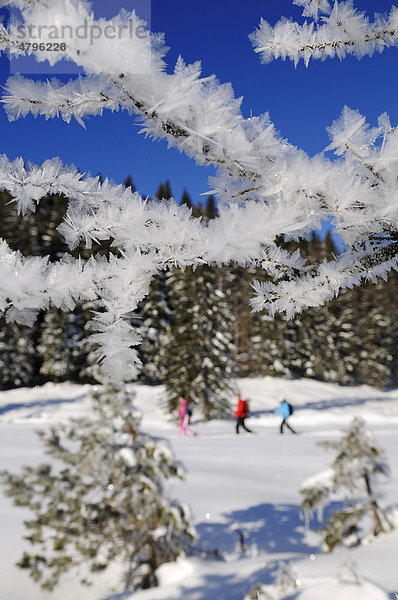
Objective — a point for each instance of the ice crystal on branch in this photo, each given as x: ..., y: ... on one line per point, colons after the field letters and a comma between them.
x: 311, y: 8
x: 344, y: 31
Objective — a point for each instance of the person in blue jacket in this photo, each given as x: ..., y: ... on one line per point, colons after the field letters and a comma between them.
x: 285, y: 410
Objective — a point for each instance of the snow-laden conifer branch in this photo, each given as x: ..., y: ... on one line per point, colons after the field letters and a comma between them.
x: 370, y: 160
x: 30, y: 284
x: 197, y: 114
x: 203, y: 119
x: 100, y: 211
x: 344, y: 31
x: 76, y: 99
x: 28, y: 183
x: 210, y: 138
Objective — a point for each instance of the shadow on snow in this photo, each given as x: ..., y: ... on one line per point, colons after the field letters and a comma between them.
x: 323, y: 404
x: 271, y: 528
x: 40, y: 403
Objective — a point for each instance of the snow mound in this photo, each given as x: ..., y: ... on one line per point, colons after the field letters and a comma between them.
x: 327, y: 588
x: 173, y: 572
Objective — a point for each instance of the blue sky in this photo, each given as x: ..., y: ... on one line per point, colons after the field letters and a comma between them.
x: 301, y: 102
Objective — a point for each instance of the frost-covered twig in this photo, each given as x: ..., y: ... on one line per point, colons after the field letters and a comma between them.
x: 344, y: 31
x: 315, y: 289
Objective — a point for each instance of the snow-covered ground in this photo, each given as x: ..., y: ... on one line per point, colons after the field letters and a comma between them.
x: 246, y: 483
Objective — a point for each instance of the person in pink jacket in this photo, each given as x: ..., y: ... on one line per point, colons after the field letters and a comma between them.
x: 184, y: 416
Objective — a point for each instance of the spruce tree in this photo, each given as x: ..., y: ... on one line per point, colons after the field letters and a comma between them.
x: 186, y: 199
x: 101, y: 499
x: 236, y: 285
x: 374, y: 334
x: 129, y: 183
x: 340, y: 342
x: 387, y: 301
x: 196, y: 209
x: 351, y: 340
x: 33, y: 235
x: 48, y: 216
x: 17, y: 355
x: 320, y: 343
x: 267, y: 341
x: 308, y: 348
x: 198, y: 358
x: 61, y: 345
x: 164, y: 191
x: 152, y: 321
x: 19, y: 232
x: 210, y: 210
x: 357, y: 464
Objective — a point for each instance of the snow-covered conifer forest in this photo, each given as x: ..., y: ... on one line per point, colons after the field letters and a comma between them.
x: 115, y: 304
x: 350, y: 340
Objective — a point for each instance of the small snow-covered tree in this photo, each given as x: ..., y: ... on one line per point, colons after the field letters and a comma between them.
x: 357, y: 464
x: 263, y: 185
x: 101, y: 499
x: 286, y: 584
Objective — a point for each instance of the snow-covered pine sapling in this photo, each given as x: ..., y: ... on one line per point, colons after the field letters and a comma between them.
x: 286, y: 578
x: 256, y: 593
x: 349, y: 574
x: 355, y: 470
x: 286, y: 584
x: 259, y: 592
x: 101, y: 499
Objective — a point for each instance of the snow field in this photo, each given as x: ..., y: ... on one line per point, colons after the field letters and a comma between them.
x: 246, y: 483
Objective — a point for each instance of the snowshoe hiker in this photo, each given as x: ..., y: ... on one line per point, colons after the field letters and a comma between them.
x: 285, y: 409
x: 242, y: 411
x: 184, y: 414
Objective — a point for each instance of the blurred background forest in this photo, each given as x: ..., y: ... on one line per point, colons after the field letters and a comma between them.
x: 198, y: 331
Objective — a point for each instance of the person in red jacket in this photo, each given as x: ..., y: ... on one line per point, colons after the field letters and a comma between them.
x: 242, y: 411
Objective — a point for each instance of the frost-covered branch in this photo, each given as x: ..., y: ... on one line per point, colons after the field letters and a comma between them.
x: 100, y: 211
x: 23, y: 3
x: 149, y: 236
x: 314, y: 289
x: 182, y: 107
x: 343, y: 31
x: 265, y: 187
x: 30, y: 284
